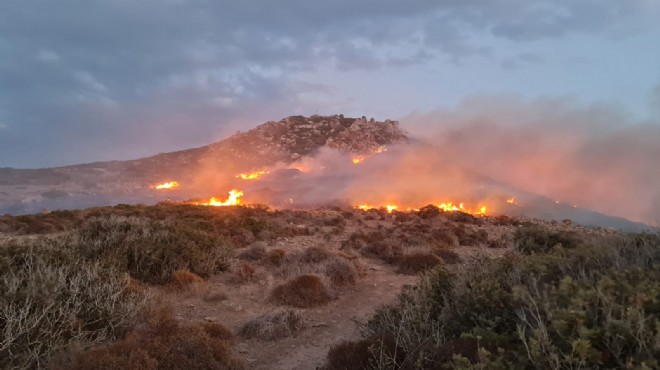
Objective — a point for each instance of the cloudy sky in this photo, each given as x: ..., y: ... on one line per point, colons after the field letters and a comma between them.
x: 90, y: 80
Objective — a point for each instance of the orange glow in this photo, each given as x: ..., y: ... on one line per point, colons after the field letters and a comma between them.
x: 358, y: 158
x: 390, y: 208
x: 511, y: 201
x: 166, y: 185
x: 233, y: 199
x: 252, y: 175
x: 451, y: 207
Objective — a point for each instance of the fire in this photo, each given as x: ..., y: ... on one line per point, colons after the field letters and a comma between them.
x: 166, y: 185
x: 511, y: 201
x: 358, y: 158
x: 451, y: 207
x: 233, y: 199
x: 252, y: 175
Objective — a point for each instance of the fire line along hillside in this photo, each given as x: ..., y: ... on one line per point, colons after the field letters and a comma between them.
x: 101, y: 183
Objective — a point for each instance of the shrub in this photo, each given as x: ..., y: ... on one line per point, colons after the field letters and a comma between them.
x: 385, y: 251
x: 274, y: 325
x: 448, y: 256
x: 303, y: 291
x: 315, y: 255
x: 538, y: 239
x: 429, y: 211
x: 275, y: 256
x: 183, y: 278
x: 151, y: 251
x: 162, y: 344
x: 366, y: 354
x: 414, y: 263
x: 586, y: 307
x: 340, y: 272
x: 50, y: 299
x: 255, y: 252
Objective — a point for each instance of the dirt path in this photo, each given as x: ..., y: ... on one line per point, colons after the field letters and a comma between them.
x: 325, y: 326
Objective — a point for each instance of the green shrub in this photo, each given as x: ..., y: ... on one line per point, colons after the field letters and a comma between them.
x: 586, y: 307
x: 538, y: 239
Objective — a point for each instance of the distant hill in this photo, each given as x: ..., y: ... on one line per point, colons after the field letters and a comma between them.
x: 287, y: 140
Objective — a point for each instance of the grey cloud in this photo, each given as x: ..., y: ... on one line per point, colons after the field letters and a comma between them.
x: 94, y: 74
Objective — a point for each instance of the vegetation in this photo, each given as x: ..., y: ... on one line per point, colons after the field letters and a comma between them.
x: 49, y: 298
x: 274, y: 325
x: 162, y: 344
x: 592, y: 306
x: 303, y: 292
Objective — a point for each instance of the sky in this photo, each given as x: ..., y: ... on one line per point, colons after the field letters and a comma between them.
x: 93, y: 80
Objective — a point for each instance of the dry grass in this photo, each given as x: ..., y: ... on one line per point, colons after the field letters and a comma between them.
x: 448, y: 256
x: 275, y: 256
x: 274, y: 325
x: 418, y: 262
x: 365, y: 354
x: 183, y: 279
x: 303, y: 292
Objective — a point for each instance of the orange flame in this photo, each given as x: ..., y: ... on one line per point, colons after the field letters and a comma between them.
x: 511, y: 201
x: 252, y: 175
x: 166, y: 185
x: 358, y: 158
x: 233, y: 199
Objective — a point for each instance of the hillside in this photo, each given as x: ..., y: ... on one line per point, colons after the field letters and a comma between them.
x: 105, y: 183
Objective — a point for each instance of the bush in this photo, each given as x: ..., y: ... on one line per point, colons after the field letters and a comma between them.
x: 182, y: 279
x: 448, y: 256
x: 366, y: 354
x: 162, y: 344
x: 255, y: 252
x: 538, y: 239
x: 303, y: 292
x: 586, y: 307
x: 274, y: 325
x: 340, y: 272
x: 418, y: 262
x: 151, y: 251
x: 50, y: 299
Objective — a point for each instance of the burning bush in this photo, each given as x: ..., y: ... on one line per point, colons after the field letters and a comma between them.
x: 303, y: 291
x: 274, y: 325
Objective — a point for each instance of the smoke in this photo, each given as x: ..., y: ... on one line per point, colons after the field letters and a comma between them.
x: 595, y: 156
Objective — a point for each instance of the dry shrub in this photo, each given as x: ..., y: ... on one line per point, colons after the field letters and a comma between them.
x: 276, y: 256
x: 255, y: 252
x: 303, y: 291
x: 315, y: 255
x: 448, y: 256
x: 340, y: 272
x: 244, y: 273
x: 414, y: 263
x: 385, y: 251
x: 183, y: 278
x: 162, y: 344
x: 444, y: 237
x: 274, y: 325
x: 364, y: 354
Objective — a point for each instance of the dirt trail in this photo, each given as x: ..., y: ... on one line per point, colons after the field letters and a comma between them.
x: 325, y: 326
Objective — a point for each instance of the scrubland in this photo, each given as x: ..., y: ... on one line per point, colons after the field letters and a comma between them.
x: 177, y: 286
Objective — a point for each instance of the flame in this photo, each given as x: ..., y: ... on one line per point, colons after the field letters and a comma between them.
x: 252, y: 175
x: 390, y: 208
x: 166, y: 185
x: 233, y: 199
x: 451, y: 207
x: 512, y: 200
x: 358, y: 158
